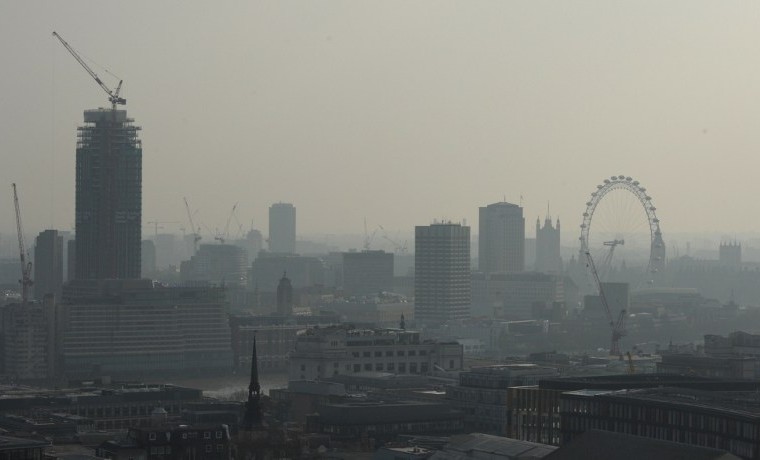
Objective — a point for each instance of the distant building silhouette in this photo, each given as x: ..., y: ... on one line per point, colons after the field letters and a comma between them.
x: 148, y: 258
x: 730, y: 254
x: 441, y: 272
x: 216, y: 263
x: 282, y: 228
x: 108, y: 196
x: 267, y: 269
x: 501, y: 241
x: 548, y: 258
x: 284, y: 296
x: 367, y: 272
x: 48, y: 264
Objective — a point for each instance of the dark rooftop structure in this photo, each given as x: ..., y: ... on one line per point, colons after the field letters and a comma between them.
x: 385, y: 420
x: 726, y: 420
x: 605, y: 445
x: 625, y: 381
x: 486, y: 446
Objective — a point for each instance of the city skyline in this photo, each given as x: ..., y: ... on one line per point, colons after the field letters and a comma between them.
x: 486, y: 115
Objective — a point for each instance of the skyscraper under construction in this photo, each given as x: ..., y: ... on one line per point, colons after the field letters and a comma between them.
x: 108, y: 196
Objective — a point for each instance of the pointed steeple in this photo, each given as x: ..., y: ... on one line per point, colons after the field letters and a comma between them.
x: 402, y: 323
x: 253, y: 406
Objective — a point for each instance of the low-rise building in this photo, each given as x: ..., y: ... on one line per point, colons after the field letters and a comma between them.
x: 725, y: 420
x: 482, y: 394
x: 535, y: 410
x: 384, y: 421
x: 323, y: 352
x: 108, y: 407
x: 201, y: 442
x: 485, y: 446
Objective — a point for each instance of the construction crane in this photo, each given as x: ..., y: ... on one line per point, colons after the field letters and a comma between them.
x: 196, y: 233
x: 631, y: 367
x: 607, y: 262
x: 226, y: 233
x: 367, y: 237
x: 399, y: 248
x: 157, y: 226
x: 113, y: 96
x: 618, y: 327
x: 26, y: 265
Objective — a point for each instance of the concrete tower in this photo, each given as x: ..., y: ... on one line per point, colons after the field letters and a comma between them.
x: 282, y: 228
x: 441, y: 272
x: 108, y: 196
x: 501, y: 243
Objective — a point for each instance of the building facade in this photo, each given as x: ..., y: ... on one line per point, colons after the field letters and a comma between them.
x: 725, y: 420
x: 442, y: 289
x: 501, y: 241
x: 127, y: 329
x: 282, y: 228
x: 48, y: 264
x: 482, y: 394
x: 28, y: 335
x: 325, y: 352
x: 108, y: 196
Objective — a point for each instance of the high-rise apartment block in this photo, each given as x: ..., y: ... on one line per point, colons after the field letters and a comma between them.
x: 501, y: 242
x: 108, y: 196
x: 48, y: 264
x: 441, y: 272
x: 548, y: 259
x: 282, y: 228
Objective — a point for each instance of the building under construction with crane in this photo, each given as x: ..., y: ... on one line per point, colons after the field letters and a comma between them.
x: 108, y: 189
x: 108, y: 196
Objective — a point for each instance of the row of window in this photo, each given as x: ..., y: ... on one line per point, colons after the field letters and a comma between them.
x: 190, y: 435
x: 391, y: 367
x: 388, y: 353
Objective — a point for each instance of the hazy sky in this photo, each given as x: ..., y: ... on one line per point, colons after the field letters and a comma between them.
x: 398, y: 111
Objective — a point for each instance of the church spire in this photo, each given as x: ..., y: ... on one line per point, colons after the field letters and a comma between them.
x: 253, y: 406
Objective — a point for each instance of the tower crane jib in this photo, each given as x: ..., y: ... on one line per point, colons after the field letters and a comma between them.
x: 113, y: 96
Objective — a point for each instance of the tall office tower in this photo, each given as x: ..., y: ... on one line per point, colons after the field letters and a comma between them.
x: 501, y: 242
x: 108, y: 196
x: 282, y: 228
x: 48, y: 264
x: 548, y: 258
x: 441, y: 272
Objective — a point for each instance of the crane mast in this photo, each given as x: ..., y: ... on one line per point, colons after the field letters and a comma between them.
x: 113, y: 96
x: 26, y: 265
x: 618, y: 327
